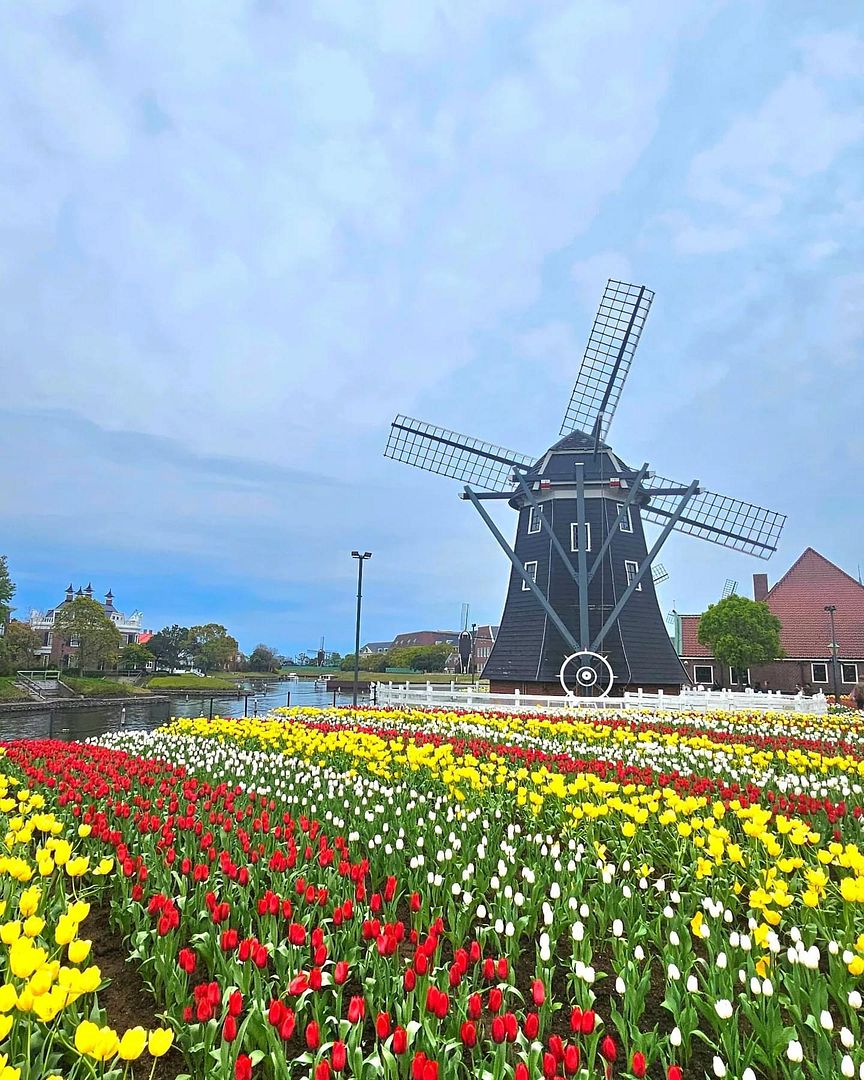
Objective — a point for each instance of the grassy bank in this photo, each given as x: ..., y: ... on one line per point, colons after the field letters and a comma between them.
x: 88, y: 687
x: 398, y: 677
x: 309, y: 670
x: 190, y: 682
x: 9, y: 691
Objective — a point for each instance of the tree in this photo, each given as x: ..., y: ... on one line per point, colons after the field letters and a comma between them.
x: 7, y: 590
x: 18, y: 647
x: 741, y: 632
x: 211, y: 646
x: 135, y: 656
x: 169, y: 645
x: 263, y: 658
x: 84, y: 621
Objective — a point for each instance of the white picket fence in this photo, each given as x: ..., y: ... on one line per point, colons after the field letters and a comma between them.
x: 441, y: 696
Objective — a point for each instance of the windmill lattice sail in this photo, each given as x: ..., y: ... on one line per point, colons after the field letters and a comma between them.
x: 614, y: 336
x: 721, y: 519
x: 439, y: 450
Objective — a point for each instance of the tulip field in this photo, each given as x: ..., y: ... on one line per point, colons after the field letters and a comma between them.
x: 412, y: 895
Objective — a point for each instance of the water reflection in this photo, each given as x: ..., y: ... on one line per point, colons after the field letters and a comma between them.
x: 76, y: 724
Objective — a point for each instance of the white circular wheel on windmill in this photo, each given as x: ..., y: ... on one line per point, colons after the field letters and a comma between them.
x: 590, y: 672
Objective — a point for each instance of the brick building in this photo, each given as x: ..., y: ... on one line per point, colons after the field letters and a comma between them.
x: 798, y: 600
x: 59, y: 653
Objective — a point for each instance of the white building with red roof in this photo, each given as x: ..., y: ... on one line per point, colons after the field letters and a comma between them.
x: 799, y: 600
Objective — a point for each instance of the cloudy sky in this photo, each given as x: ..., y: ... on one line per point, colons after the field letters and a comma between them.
x: 236, y: 237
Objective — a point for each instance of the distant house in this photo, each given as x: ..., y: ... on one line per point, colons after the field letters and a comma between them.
x: 425, y: 637
x: 58, y: 652
x: 373, y: 648
x: 484, y: 639
x: 798, y: 600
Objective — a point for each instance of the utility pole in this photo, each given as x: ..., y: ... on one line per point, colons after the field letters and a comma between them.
x: 361, y: 558
x: 831, y: 608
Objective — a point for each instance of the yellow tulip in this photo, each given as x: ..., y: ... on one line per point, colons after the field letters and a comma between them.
x: 10, y: 932
x: 78, y: 867
x: 65, y: 930
x: 8, y: 997
x: 132, y: 1044
x: 25, y: 958
x: 86, y: 1037
x: 28, y: 902
x: 160, y: 1041
x: 106, y: 1045
x: 5, y: 1026
x: 78, y: 951
x: 33, y: 926
x: 78, y: 911
x: 84, y: 831
x: 41, y: 982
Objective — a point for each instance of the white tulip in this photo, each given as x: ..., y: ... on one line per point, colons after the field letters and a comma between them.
x: 723, y: 1008
x: 825, y: 1020
x: 847, y: 1066
x: 794, y: 1051
x: 718, y: 1066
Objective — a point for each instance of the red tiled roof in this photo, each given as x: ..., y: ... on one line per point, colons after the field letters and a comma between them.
x: 689, y: 640
x: 798, y: 600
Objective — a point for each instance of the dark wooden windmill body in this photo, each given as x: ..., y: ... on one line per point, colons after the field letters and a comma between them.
x: 581, y: 612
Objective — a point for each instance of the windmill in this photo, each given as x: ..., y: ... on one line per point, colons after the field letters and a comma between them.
x: 581, y: 610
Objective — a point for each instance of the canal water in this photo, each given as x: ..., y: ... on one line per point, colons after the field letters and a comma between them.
x: 84, y: 723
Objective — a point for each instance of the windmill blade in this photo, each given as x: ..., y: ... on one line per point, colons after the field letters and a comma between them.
x: 606, y: 362
x: 718, y: 518
x: 480, y: 464
x: 730, y: 588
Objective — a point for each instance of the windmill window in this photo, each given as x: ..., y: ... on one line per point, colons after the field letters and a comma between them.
x: 819, y: 672
x: 704, y: 674
x: 534, y: 525
x: 531, y: 571
x: 631, y: 569
x: 849, y: 672
x: 739, y: 676
x: 574, y: 535
x: 626, y: 522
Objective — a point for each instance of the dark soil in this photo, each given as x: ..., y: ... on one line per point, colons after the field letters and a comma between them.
x: 126, y: 999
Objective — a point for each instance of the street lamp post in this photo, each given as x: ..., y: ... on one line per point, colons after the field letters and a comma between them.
x: 831, y: 608
x: 361, y: 558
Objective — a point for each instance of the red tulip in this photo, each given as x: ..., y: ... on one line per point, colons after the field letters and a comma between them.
x: 235, y: 1003
x: 229, y: 1029
x: 340, y: 972
x: 313, y: 1035
x: 339, y: 1055
x: 571, y: 1060
x: 243, y: 1067
x: 187, y: 960
x: 674, y: 1072
x: 521, y: 1072
x: 550, y: 1065
x: 538, y: 991
x: 322, y: 1070
x: 531, y: 1025
x: 639, y: 1067
x: 502, y: 968
x: 382, y: 1025
x: 608, y: 1049
x: 409, y: 980
x: 588, y: 1022
x: 495, y: 999
x: 556, y: 1046
x: 430, y: 1070
x: 356, y: 1009
x: 417, y: 1064
x: 468, y: 1033
x: 576, y: 1020
x: 499, y: 1032
x: 400, y: 1040
x: 475, y: 1006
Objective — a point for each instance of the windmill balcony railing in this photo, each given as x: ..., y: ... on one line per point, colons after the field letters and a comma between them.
x: 440, y: 695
